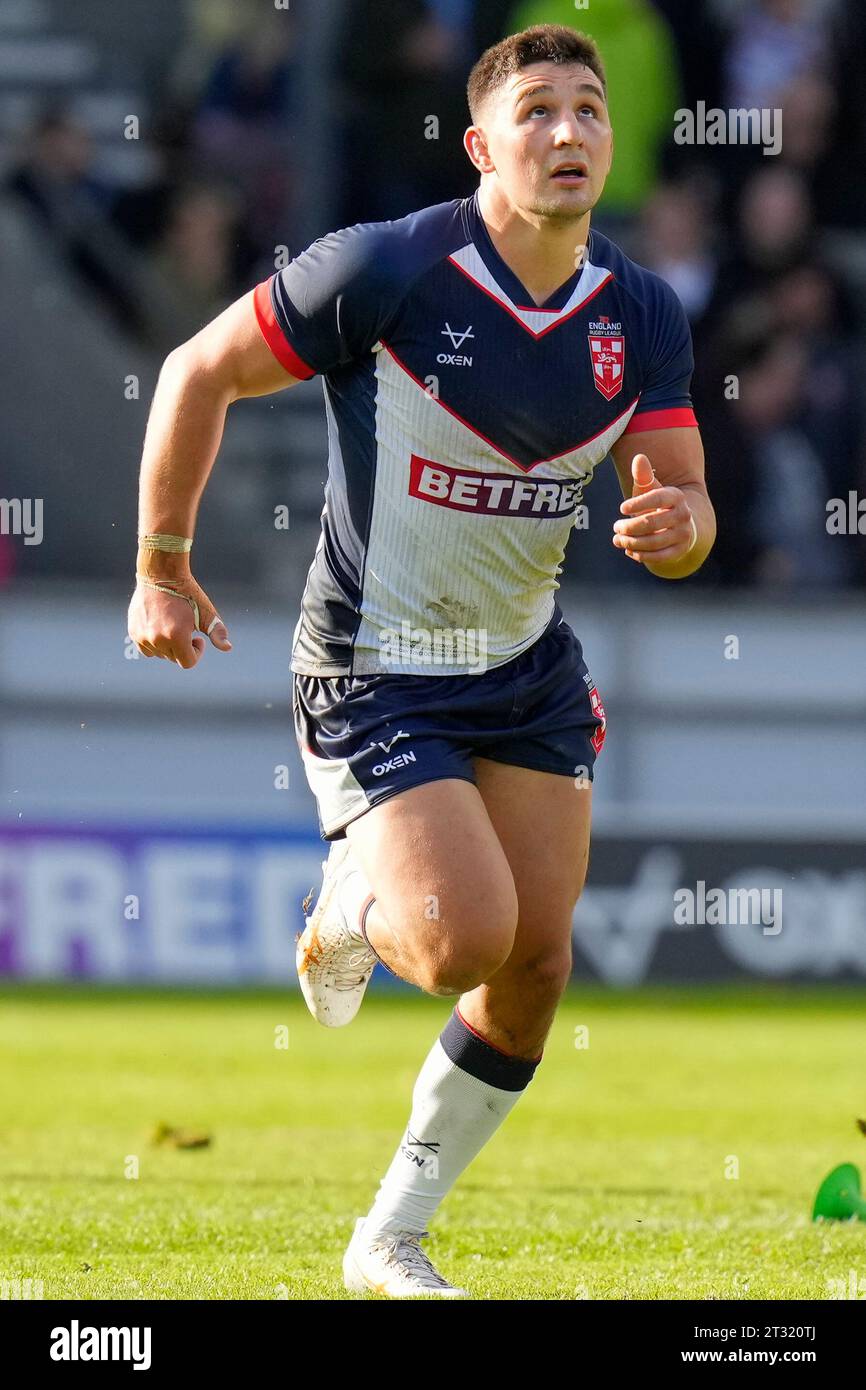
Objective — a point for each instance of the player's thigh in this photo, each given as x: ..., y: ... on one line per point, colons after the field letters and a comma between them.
x: 439, y: 872
x: 543, y: 822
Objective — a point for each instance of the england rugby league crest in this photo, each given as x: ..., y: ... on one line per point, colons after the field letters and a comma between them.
x: 607, y: 350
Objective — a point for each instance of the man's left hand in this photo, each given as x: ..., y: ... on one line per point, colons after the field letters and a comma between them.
x: 658, y: 525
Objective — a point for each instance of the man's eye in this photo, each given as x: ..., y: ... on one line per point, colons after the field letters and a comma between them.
x: 591, y: 109
x: 542, y: 109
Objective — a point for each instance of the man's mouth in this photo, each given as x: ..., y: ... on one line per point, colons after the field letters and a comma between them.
x: 570, y: 174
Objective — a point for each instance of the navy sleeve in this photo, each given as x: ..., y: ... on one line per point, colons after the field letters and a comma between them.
x: 328, y: 307
x: 665, y: 401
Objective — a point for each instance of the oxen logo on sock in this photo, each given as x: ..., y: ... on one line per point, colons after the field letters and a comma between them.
x: 420, y: 1158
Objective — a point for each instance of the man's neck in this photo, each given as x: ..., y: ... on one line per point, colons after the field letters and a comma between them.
x: 543, y: 254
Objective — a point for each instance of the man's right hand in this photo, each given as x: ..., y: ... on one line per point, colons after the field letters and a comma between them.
x: 163, y: 624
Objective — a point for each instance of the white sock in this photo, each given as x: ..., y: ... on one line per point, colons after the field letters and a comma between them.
x: 464, y: 1091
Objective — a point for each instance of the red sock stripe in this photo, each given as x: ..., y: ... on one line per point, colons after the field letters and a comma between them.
x: 500, y: 1050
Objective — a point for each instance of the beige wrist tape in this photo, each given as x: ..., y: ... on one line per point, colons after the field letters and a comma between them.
x: 159, y: 540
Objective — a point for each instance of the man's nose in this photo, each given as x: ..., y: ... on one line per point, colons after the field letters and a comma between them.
x: 568, y: 130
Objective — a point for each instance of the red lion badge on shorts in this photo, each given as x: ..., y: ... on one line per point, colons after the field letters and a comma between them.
x: 597, y: 739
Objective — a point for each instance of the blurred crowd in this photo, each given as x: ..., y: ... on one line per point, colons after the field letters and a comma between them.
x: 766, y: 252
x: 220, y: 190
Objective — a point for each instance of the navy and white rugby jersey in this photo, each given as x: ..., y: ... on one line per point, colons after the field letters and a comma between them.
x: 464, y: 423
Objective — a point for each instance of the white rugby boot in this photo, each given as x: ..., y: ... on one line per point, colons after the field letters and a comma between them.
x: 393, y: 1264
x: 333, y: 960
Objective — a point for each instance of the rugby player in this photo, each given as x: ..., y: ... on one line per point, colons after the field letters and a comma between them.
x: 479, y: 359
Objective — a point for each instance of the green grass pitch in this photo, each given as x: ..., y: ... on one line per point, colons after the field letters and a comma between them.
x: 610, y: 1180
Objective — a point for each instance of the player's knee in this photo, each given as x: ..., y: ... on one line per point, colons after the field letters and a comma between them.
x: 456, y: 972
x: 466, y: 936
x: 545, y: 975
x: 463, y: 959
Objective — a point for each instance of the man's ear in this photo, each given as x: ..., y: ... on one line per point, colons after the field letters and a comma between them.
x: 475, y: 145
x: 610, y: 156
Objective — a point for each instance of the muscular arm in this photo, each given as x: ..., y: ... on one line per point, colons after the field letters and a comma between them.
x: 656, y: 527
x: 228, y: 360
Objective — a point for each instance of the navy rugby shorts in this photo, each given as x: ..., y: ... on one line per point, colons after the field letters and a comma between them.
x: 364, y: 739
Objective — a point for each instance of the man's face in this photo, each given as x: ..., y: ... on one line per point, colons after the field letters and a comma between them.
x: 546, y: 120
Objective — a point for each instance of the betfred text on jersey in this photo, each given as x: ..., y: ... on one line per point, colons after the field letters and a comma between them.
x: 493, y: 493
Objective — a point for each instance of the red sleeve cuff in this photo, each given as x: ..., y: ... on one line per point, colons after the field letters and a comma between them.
x: 274, y: 335
x: 679, y: 417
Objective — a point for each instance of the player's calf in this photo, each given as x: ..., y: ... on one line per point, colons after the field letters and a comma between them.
x: 515, y: 1008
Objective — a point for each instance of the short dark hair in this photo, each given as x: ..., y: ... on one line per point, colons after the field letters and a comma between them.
x: 543, y: 43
